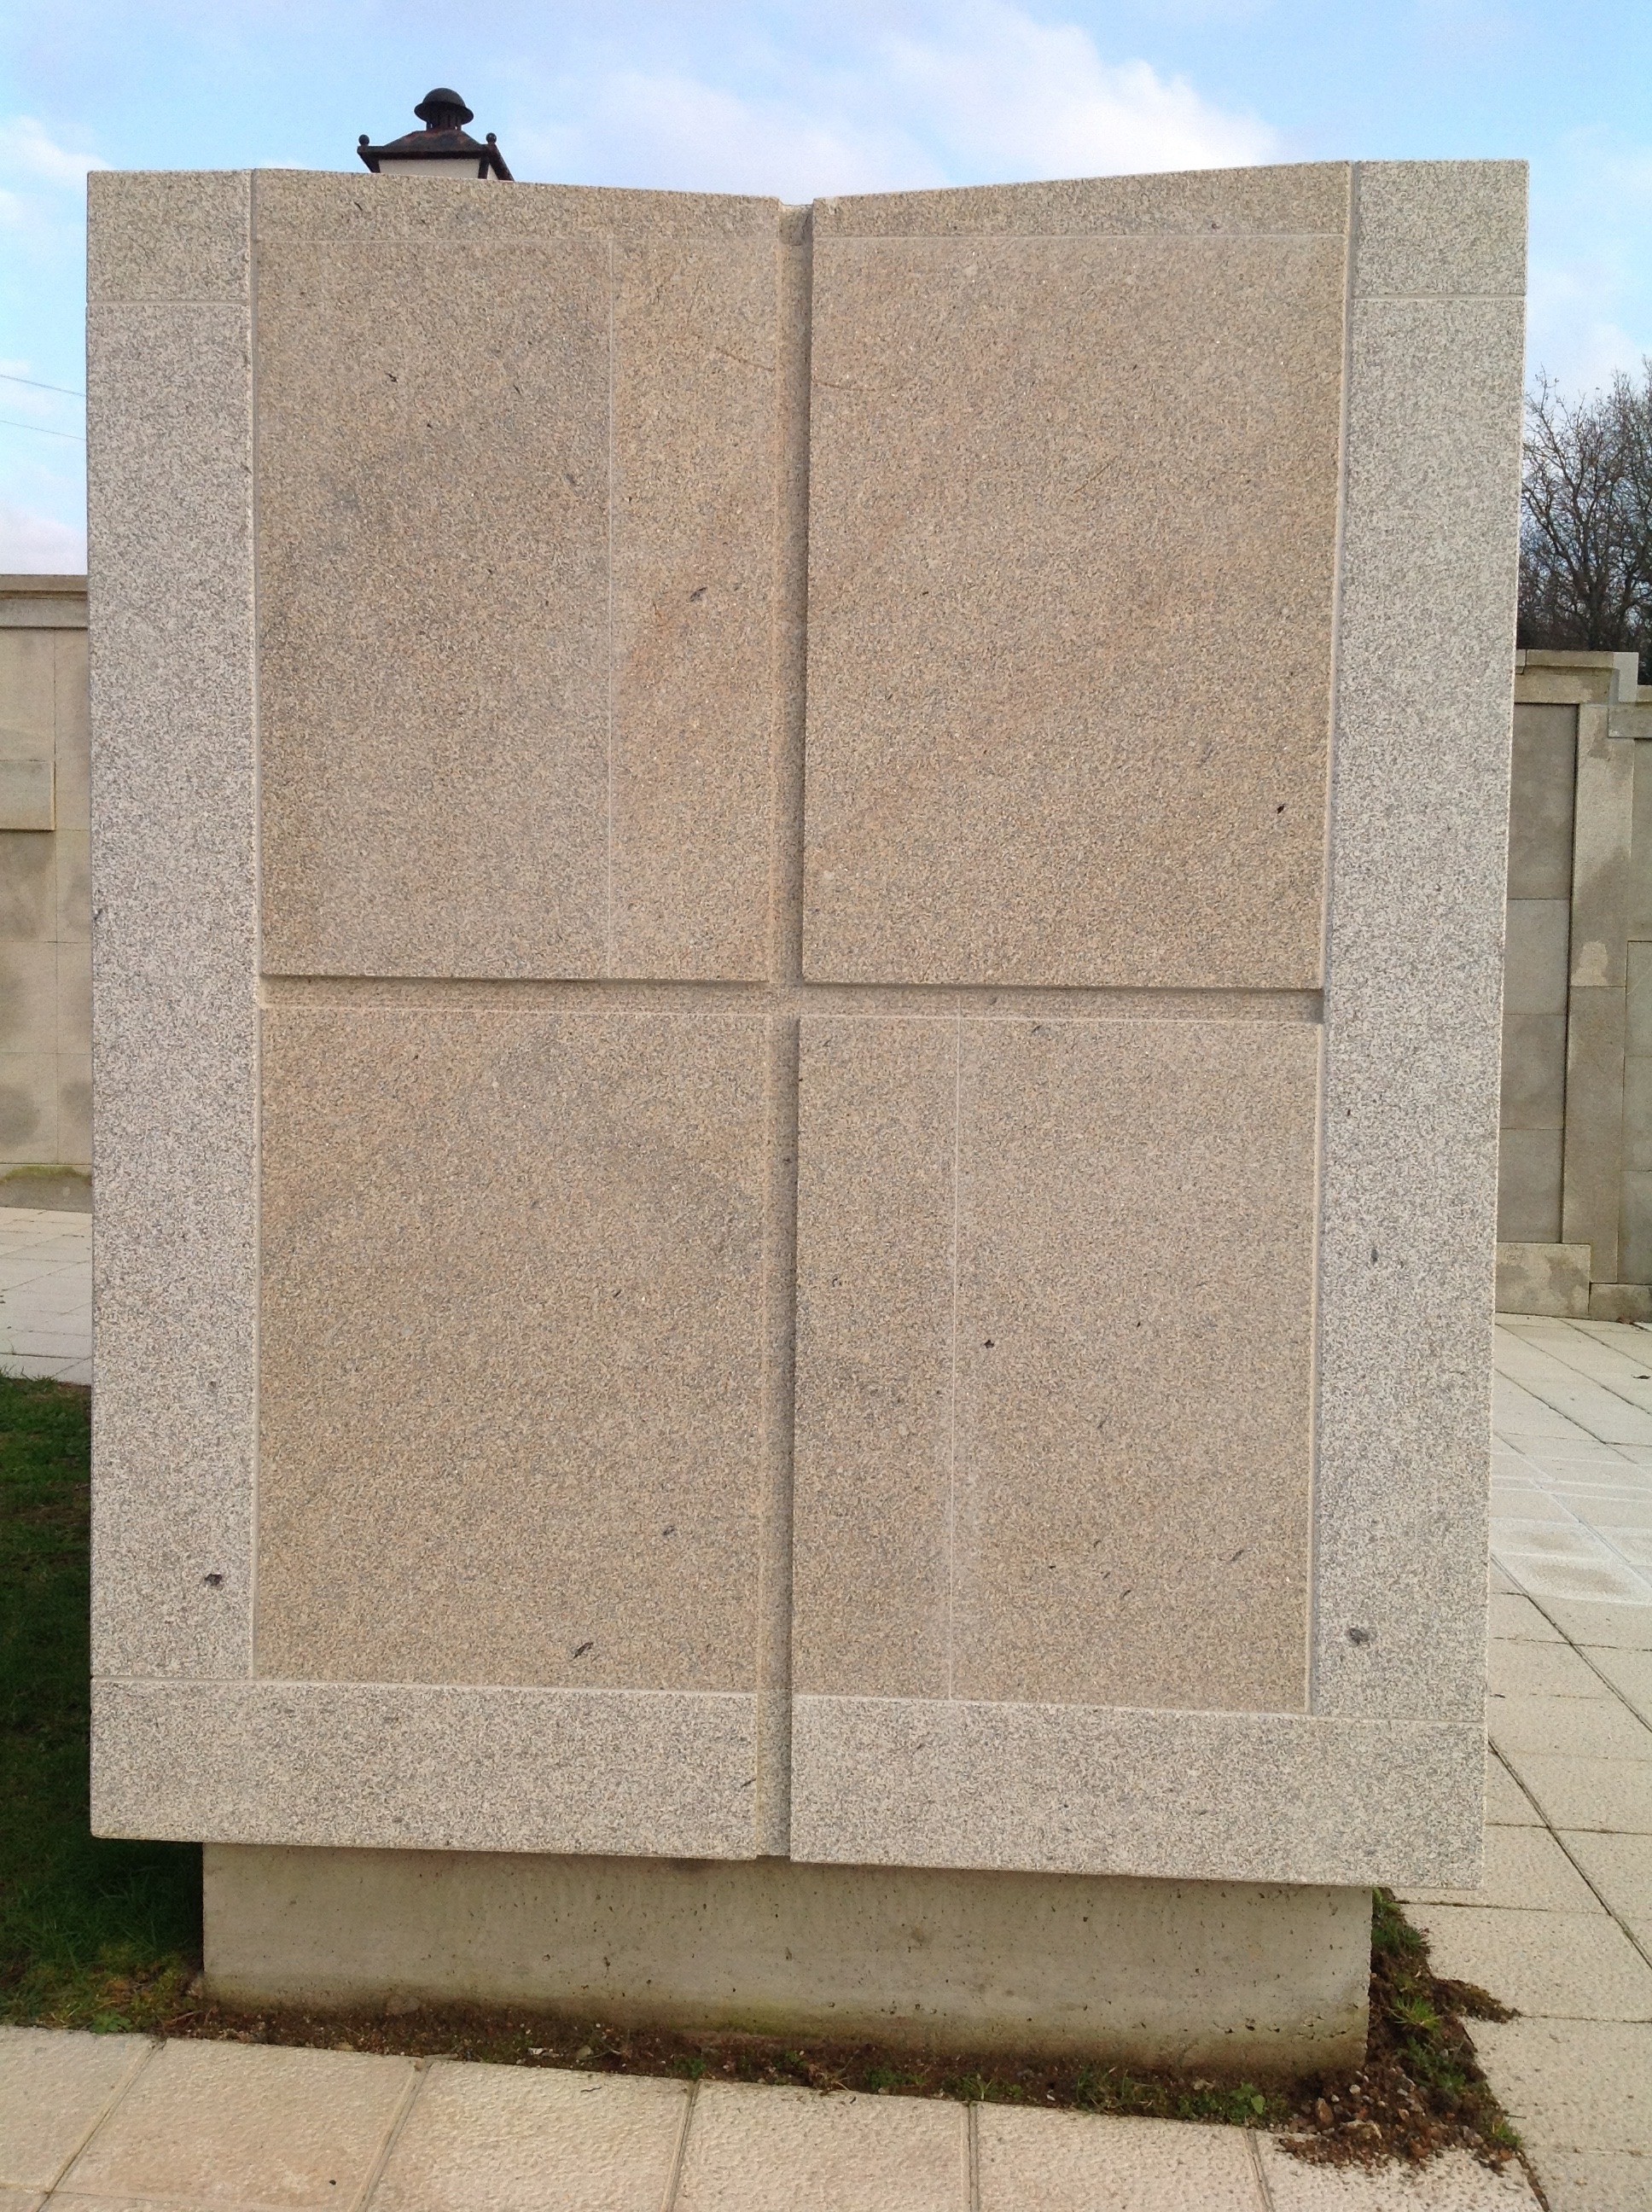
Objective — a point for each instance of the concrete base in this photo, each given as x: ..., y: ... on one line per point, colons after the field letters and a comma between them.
x: 1230, y: 1975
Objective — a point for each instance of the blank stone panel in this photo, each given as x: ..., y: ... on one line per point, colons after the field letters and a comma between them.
x: 1541, y: 796
x: 1061, y: 489
x: 515, y: 575
x: 512, y: 1348
x: 1054, y: 1354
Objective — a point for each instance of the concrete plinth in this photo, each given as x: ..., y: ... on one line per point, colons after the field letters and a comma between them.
x: 1258, y: 1977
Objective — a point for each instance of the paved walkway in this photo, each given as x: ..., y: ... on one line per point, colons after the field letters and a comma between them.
x: 98, y: 2123
x: 45, y: 1294
x: 1562, y: 1929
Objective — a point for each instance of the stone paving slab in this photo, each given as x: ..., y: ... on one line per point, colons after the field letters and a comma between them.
x: 45, y: 1294
x: 1570, y: 1699
x: 118, y: 2124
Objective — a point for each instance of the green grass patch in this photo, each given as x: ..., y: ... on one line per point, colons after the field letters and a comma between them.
x: 92, y: 1933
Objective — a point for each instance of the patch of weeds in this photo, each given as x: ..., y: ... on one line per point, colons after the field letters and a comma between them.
x: 1420, y: 2090
x: 93, y: 1933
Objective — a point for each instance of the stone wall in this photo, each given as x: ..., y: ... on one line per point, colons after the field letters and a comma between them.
x: 46, y: 953
x: 1574, y: 1187
x: 764, y: 1188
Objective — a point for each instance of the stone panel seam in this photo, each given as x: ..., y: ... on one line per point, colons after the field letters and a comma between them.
x: 608, y: 844
x: 952, y: 1364
x: 257, y: 882
x: 924, y: 1001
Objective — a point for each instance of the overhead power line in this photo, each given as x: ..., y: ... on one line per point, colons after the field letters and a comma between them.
x: 35, y: 384
x: 74, y: 436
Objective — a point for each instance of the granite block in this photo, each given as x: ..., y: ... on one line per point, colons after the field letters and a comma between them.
x: 316, y: 206
x: 1183, y: 1796
x: 695, y: 456
x: 29, y: 996
x: 1533, y: 1093
x: 575, y: 731
x: 411, y: 1767
x: 1417, y: 852
x: 167, y: 234
x: 873, y: 1456
x: 1125, y: 1529
x: 27, y: 884
x: 28, y: 1106
x: 1289, y: 201
x: 1447, y: 228
x: 1535, y: 956
x: 1541, y: 797
x: 1592, y: 1162
x: 531, y: 1449
x: 432, y: 669
x: 1038, y: 466
x: 174, y: 952
x: 1529, y: 1188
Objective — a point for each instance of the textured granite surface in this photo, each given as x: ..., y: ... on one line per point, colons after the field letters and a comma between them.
x: 515, y: 594
x: 405, y: 1765
x: 175, y: 933
x: 512, y: 1348
x: 1089, y: 1789
x: 1417, y: 829
x: 533, y: 635
x: 1029, y: 489
x: 1055, y: 1289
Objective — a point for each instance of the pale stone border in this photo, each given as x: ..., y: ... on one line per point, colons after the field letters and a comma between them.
x: 1423, y: 710
x: 1191, y: 1796
x: 658, y: 1774
x: 174, y: 924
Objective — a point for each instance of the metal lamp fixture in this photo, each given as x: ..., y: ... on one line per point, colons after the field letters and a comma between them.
x: 443, y: 149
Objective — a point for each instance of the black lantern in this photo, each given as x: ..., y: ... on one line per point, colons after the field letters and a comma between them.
x: 443, y: 149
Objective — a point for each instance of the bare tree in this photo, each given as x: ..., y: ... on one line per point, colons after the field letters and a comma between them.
x: 1586, y: 519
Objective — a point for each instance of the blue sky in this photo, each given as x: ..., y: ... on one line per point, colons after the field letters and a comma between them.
x: 763, y: 95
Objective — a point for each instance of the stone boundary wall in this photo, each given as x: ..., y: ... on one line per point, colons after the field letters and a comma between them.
x: 1574, y: 1179
x: 45, y: 922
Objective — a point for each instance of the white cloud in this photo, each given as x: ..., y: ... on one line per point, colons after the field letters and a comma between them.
x: 1589, y: 296
x: 37, y: 544
x: 987, y: 92
x: 1031, y: 98
x: 29, y: 152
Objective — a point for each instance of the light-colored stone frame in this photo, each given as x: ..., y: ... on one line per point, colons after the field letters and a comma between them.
x: 1380, y: 1780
